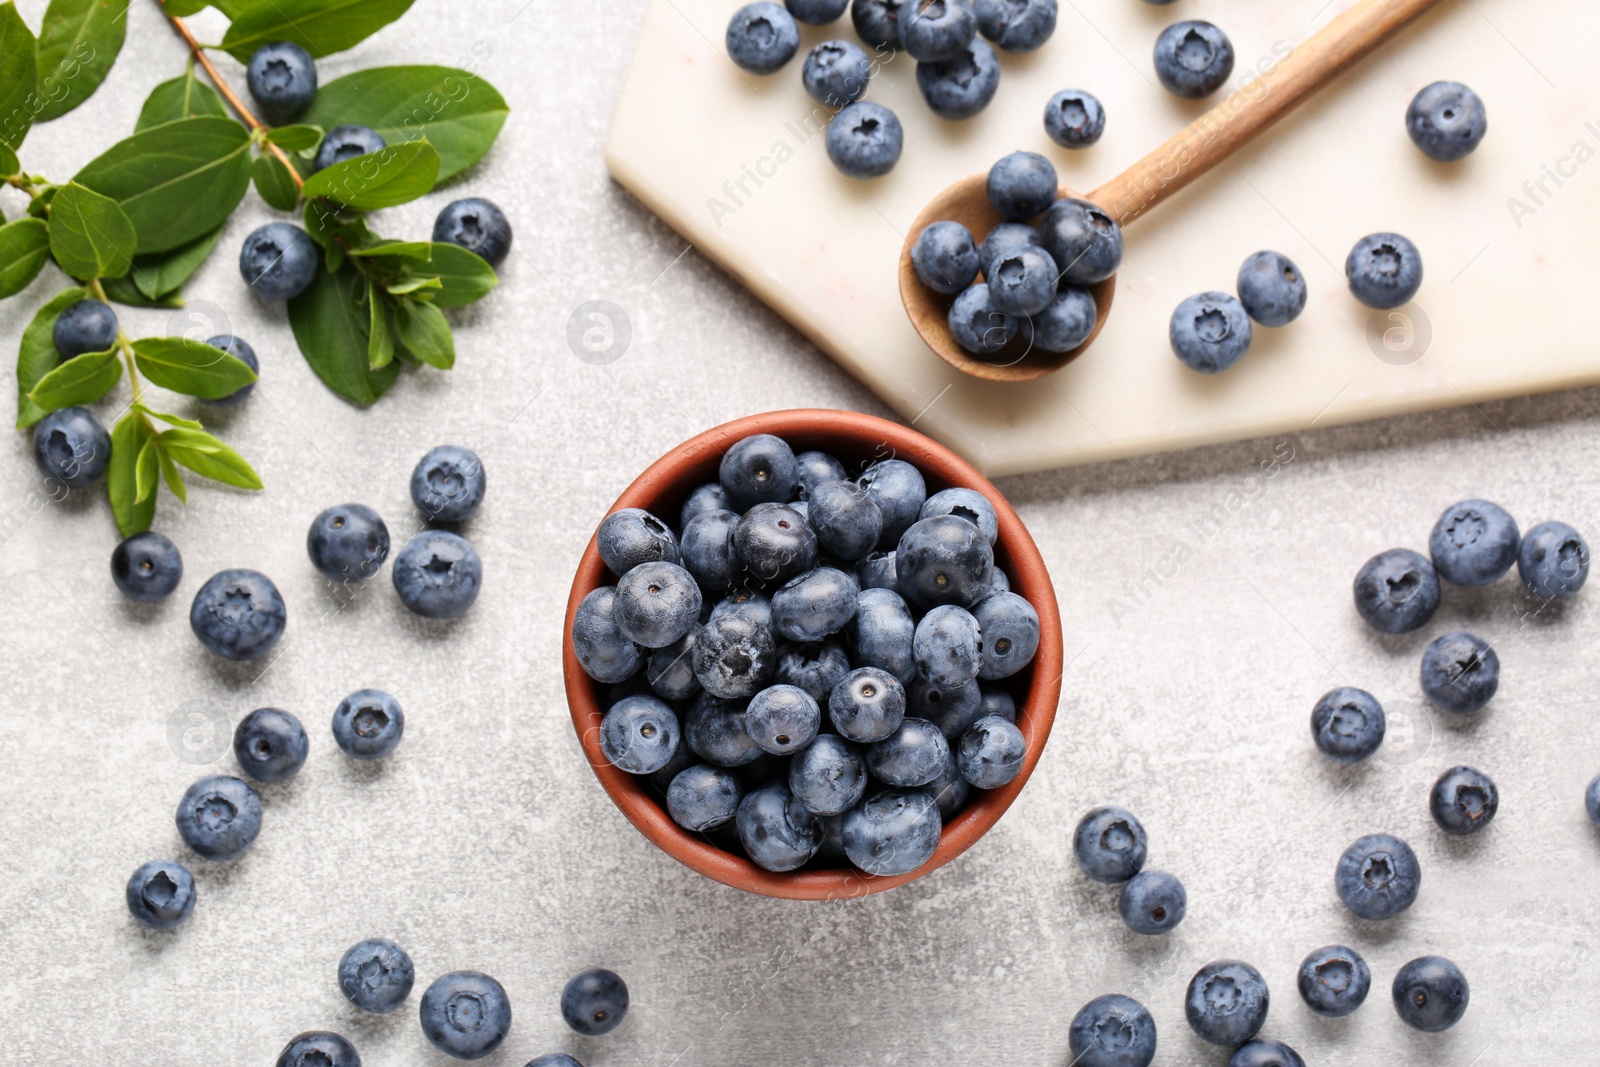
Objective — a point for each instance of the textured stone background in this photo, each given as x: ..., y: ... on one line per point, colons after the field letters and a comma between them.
x: 486, y: 842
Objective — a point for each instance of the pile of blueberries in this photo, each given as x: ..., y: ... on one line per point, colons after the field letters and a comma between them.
x: 793, y: 596
x: 239, y: 614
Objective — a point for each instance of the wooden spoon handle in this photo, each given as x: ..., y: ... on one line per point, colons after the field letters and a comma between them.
x: 1213, y: 136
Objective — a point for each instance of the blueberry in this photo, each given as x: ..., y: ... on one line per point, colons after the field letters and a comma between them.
x: 344, y: 143
x: 639, y: 734
x: 733, y: 656
x: 1022, y: 283
x: 1066, y: 322
x: 670, y: 670
x: 817, y: 468
x: 1397, y: 591
x: 238, y: 614
x: 1193, y: 59
x: 1112, y: 1031
x: 944, y: 560
x: 876, y: 571
x: 1463, y: 801
x: 864, y: 140
x: 1016, y: 25
x: 777, y: 831
x: 892, y: 833
x: 708, y: 497
x: 604, y: 653
x: 71, y: 447
x: 1447, y: 121
x: 1271, y: 288
x: 319, y: 1048
x: 828, y: 776
x: 783, y: 719
x: 146, y: 567
x: 219, y: 817
x: 161, y: 894
x: 465, y: 1014
x: 270, y: 745
x: 438, y: 574
x: 1347, y: 724
x: 279, y: 261
x: 282, y: 80
x: 845, y: 518
x: 368, y: 724
x: 1265, y: 1054
x: 836, y: 73
x: 951, y: 710
x: 714, y: 729
x: 900, y: 491
x: 1085, y: 242
x: 1227, y: 1002
x: 815, y: 668
x: 762, y: 37
x: 656, y: 604
x: 1010, y: 627
x: 348, y: 543
x: 1006, y: 237
x: 774, y: 543
x: 877, y: 23
x: 977, y: 325
x: 815, y: 605
x: 991, y: 752
x: 87, y: 326
x: 1591, y: 800
x: 708, y: 550
x: 745, y: 601
x: 945, y: 646
x: 966, y: 504
x: 1474, y: 543
x: 882, y: 632
x: 682, y: 759
x: 1460, y: 672
x: 932, y: 30
x: 949, y: 790
x: 914, y: 754
x: 1384, y: 270
x: 448, y: 483
x: 476, y: 224
x: 1022, y: 185
x: 1430, y: 994
x: 997, y: 701
x: 1210, y: 332
x: 376, y: 975
x: 240, y: 350
x: 868, y: 705
x: 961, y: 86
x: 1074, y: 118
x: 1152, y: 902
x: 1378, y: 877
x: 1110, y: 845
x: 702, y: 797
x: 1553, y: 560
x: 553, y: 1059
x: 1334, y: 981
x: 816, y: 12
x: 945, y: 258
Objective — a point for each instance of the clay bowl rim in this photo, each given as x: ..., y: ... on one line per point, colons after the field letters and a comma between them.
x: 967, y: 202
x: 853, y: 436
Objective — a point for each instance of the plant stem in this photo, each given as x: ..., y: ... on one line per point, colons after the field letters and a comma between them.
x: 123, y: 343
x: 198, y: 53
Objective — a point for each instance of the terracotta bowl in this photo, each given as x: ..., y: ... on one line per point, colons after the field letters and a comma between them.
x: 857, y: 440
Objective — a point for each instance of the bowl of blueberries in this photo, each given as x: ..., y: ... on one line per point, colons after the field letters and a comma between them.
x: 812, y: 654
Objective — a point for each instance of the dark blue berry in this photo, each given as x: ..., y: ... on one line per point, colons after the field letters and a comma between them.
x: 1447, y: 121
x: 996, y: 700
x: 238, y: 614
x: 900, y: 491
x: 733, y: 656
x: 1463, y: 801
x: 1153, y: 902
x: 945, y: 646
x: 368, y: 724
x: 1430, y: 994
x: 892, y: 833
x: 344, y: 143
x: 963, y: 85
x: 603, y: 651
x: 977, y: 325
x: 914, y: 754
x: 783, y: 719
x: 949, y: 790
x: 774, y: 543
x: 945, y: 258
x: 882, y: 632
x: 1272, y: 289
x: 877, y: 23
x: 1016, y: 25
x: 670, y: 670
x: 1265, y: 1054
x: 1227, y: 1002
x: 553, y: 1059
x: 1334, y: 980
x: 944, y: 560
x: 836, y: 73
x: 348, y: 543
x: 595, y: 1001
x: 1022, y: 185
x: 146, y: 567
x: 951, y: 710
x: 1022, y: 283
x: 376, y: 975
x: 1074, y: 118
x: 868, y: 705
x: 816, y: 12
x: 1112, y: 1031
x: 71, y: 447
x: 438, y: 574
x: 1085, y: 242
x: 219, y: 817
x: 465, y: 1014
x: 270, y: 745
x: 1553, y: 560
x: 1066, y: 322
x: 702, y: 797
x: 708, y: 497
x: 282, y: 79
x: 777, y: 831
x: 762, y: 37
x: 1193, y: 59
x: 1010, y: 628
x: 1460, y: 672
x: 319, y: 1048
x: 1474, y: 543
x: 829, y: 776
x: 448, y: 483
x: 991, y: 752
x: 864, y: 140
x: 639, y: 734
x: 708, y: 549
x: 240, y: 350
x: 845, y: 518
x: 714, y: 729
x: 816, y: 668
x: 876, y: 571
x: 657, y: 604
x: 932, y: 30
x: 1397, y: 591
x: 87, y: 326
x: 161, y: 894
x: 279, y: 261
x: 966, y: 504
x: 1384, y: 270
x: 1347, y: 724
x: 476, y: 224
x: 1110, y: 845
x: 1210, y: 332
x: 816, y: 604
x: 1004, y: 238
x: 1378, y: 877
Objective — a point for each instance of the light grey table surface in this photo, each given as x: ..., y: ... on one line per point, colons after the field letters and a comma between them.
x: 486, y: 842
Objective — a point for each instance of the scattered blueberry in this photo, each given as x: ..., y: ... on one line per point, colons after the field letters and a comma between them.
x: 1066, y: 322
x: 1430, y: 994
x: 868, y: 705
x: 1460, y: 672
x: 270, y: 745
x: 1384, y: 270
x: 239, y: 349
x: 1347, y: 724
x: 1397, y: 591
x: 762, y: 37
x: 828, y: 776
x: 448, y: 483
x: 1193, y: 59
x: 991, y: 753
x: 87, y: 326
x: 1010, y: 628
x: 1022, y: 185
x: 945, y: 258
x: 1074, y: 118
x: 1112, y: 1031
x: 864, y: 140
x: 656, y: 604
x: 1110, y: 845
x: 553, y: 1059
x: 816, y: 604
x: 944, y: 560
x: 1474, y: 543
x: 368, y: 724
x: 977, y: 325
x: 219, y: 817
x: 1447, y: 121
x: 438, y: 574
x: 465, y: 1014
x: 1463, y: 801
x: 1016, y: 25
x: 882, y: 632
x: 777, y: 831
x: 161, y: 894
x: 238, y: 614
x: 639, y: 734
x: 900, y: 491
x: 1272, y: 289
x: 733, y: 656
x: 1591, y: 800
x: 146, y: 567
x: 71, y: 447
x: 774, y: 543
x: 1378, y: 877
x: 961, y: 86
x: 1265, y: 1054
x: 282, y: 79
x: 1152, y: 902
x: 279, y: 261
x: 892, y: 833
x: 476, y: 224
x: 914, y: 754
x: 376, y: 975
x: 816, y: 12
x: 1210, y: 332
x: 877, y: 23
x: 319, y: 1048
x: 1227, y: 1002
x: 603, y: 652
x: 343, y: 143
x: 1553, y: 560
x: 934, y: 30
x: 703, y: 797
x: 1085, y: 242
x: 348, y: 543
x: 1334, y: 981
x: 836, y: 73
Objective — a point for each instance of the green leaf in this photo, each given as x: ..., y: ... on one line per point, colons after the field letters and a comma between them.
x: 170, y: 420
x: 10, y: 166
x: 463, y: 276
x: 80, y: 380
x: 158, y: 273
x: 273, y: 183
x: 422, y: 329
x: 422, y: 250
x: 299, y: 138
x: 24, y: 246
x: 128, y: 438
x: 90, y: 236
x: 183, y: 8
x: 175, y: 181
x: 457, y: 111
x: 37, y: 355
x: 209, y: 457
x: 171, y: 475
x: 144, y: 472
x: 321, y: 27
x: 331, y: 326
x: 412, y: 285
x: 18, y: 78
x: 389, y: 176
x: 123, y: 291
x: 380, y: 332
x: 191, y: 367
x: 184, y: 97
x: 78, y: 42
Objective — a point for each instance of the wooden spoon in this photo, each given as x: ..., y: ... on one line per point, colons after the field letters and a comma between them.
x: 1188, y: 154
